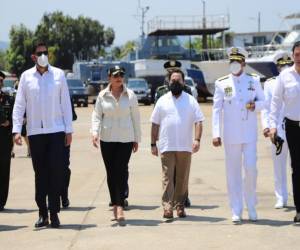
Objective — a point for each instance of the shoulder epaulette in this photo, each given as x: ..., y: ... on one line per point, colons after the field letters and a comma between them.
x: 271, y: 78
x: 223, y: 78
x: 161, y: 87
x: 252, y: 74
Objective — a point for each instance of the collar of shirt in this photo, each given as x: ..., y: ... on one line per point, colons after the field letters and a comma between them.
x: 50, y: 70
x: 170, y: 95
x: 107, y: 91
x: 238, y: 78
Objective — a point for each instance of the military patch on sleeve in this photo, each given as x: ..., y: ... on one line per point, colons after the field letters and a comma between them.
x: 223, y: 78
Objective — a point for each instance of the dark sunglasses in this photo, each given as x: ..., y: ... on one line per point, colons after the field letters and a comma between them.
x: 39, y: 53
x: 118, y: 75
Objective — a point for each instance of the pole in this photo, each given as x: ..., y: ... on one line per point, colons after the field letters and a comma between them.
x: 204, y: 37
x: 259, y: 21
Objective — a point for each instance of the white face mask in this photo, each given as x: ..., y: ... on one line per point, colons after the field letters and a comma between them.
x: 42, y: 60
x: 235, y: 68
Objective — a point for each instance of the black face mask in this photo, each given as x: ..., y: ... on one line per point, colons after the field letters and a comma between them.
x: 176, y: 87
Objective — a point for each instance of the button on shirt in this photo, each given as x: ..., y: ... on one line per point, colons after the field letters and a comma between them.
x: 46, y: 100
x: 232, y: 93
x: 176, y: 117
x: 116, y: 121
x: 287, y: 92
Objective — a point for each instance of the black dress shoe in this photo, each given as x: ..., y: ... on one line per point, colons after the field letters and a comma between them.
x: 55, y: 223
x: 65, y: 203
x: 110, y: 204
x: 1, y: 208
x: 187, y: 202
x: 42, y: 222
x: 297, y: 218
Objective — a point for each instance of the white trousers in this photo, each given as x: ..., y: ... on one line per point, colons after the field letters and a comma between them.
x: 239, y: 185
x: 279, y: 164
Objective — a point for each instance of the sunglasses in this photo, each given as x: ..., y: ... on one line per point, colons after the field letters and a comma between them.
x: 39, y: 53
x: 118, y: 75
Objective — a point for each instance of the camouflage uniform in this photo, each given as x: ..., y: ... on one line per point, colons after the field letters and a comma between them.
x: 6, y: 107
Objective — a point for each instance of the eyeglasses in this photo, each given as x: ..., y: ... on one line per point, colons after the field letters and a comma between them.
x: 118, y: 75
x: 39, y: 53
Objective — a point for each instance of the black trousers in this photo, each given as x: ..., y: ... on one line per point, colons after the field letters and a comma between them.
x: 47, y: 154
x: 5, y: 158
x: 116, y: 156
x: 67, y: 174
x: 293, y: 140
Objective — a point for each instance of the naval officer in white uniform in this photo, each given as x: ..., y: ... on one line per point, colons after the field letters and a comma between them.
x: 238, y: 97
x: 282, y: 60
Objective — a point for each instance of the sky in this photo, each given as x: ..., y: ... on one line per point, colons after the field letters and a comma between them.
x: 122, y: 15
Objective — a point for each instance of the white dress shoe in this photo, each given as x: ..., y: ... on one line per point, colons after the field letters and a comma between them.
x: 279, y: 205
x: 252, y: 214
x: 236, y: 219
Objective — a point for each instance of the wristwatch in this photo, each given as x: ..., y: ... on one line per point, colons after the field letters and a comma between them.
x: 153, y: 145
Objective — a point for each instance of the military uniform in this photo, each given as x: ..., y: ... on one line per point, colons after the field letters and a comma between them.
x: 279, y: 161
x: 6, y: 143
x: 232, y: 95
x: 282, y: 60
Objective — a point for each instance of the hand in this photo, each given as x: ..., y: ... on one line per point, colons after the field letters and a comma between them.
x: 273, y: 132
x: 135, y: 147
x: 154, y: 150
x: 68, y: 139
x: 250, y: 106
x: 196, y: 146
x: 266, y: 132
x: 95, y: 141
x: 217, y: 142
x: 5, y: 124
x: 18, y: 139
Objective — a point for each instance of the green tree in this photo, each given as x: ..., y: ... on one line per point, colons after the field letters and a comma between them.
x: 68, y: 39
x: 3, y: 62
x: 81, y: 38
x: 20, y: 50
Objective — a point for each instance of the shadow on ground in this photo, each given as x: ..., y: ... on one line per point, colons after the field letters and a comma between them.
x: 17, y: 211
x: 10, y: 228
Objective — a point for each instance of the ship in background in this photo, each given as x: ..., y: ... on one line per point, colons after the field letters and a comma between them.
x: 207, y: 65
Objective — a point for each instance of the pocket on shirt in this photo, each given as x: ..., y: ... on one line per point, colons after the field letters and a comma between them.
x: 291, y: 91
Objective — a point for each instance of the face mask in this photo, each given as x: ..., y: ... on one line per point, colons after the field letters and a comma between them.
x: 235, y: 68
x: 42, y: 60
x: 176, y: 87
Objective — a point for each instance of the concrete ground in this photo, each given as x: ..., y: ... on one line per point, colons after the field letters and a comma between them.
x: 87, y: 225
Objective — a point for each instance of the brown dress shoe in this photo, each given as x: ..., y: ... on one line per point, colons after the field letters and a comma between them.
x: 168, y: 214
x: 180, y: 211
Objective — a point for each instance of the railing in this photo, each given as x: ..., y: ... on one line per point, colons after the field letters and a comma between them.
x: 254, y: 52
x: 188, y: 22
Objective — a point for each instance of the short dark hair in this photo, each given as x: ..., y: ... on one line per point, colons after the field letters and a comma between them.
x: 296, y: 45
x: 176, y: 71
x: 38, y: 44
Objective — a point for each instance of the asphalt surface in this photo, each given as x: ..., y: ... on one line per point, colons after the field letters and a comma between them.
x: 87, y: 224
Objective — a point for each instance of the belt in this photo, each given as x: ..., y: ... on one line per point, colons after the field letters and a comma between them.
x: 292, y: 123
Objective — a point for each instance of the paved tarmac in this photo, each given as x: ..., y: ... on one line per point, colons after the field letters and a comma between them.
x: 87, y: 223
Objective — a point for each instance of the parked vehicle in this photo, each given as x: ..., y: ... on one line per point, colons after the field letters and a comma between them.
x: 190, y: 82
x: 140, y: 87
x: 9, y: 85
x: 78, y: 92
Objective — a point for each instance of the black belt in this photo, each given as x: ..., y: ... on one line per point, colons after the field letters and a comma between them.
x: 292, y: 123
